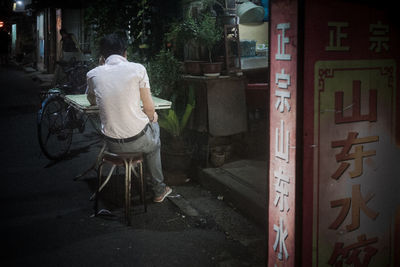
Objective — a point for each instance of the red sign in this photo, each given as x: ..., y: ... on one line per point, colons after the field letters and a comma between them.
x: 282, y: 167
x: 351, y: 161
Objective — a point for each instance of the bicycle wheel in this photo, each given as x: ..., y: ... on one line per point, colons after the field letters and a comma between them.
x: 54, y: 132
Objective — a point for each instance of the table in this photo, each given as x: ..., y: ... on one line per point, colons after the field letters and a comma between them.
x: 81, y: 103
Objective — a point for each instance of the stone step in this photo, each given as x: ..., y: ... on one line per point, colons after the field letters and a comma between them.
x: 243, y: 184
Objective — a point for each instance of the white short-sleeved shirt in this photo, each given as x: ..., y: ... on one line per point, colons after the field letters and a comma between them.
x: 116, y: 87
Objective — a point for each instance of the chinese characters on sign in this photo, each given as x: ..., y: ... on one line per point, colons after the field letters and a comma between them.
x: 353, y: 148
x: 338, y: 34
x: 356, y: 106
x: 281, y: 236
x: 354, y: 103
x: 357, y: 156
x: 283, y: 95
x: 282, y: 144
x: 282, y: 42
x: 282, y: 192
x: 356, y: 202
x: 379, y: 37
x: 351, y: 254
x: 350, y: 128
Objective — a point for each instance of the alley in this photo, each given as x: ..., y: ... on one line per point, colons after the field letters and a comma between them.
x: 46, y: 215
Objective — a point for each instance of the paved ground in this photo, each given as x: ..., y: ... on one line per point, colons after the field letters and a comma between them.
x: 46, y: 216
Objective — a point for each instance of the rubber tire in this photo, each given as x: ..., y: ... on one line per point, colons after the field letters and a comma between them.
x: 51, y: 124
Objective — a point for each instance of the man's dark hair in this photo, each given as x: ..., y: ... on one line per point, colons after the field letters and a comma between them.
x: 112, y: 44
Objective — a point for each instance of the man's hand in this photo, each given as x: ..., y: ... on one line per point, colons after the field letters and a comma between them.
x: 155, y: 117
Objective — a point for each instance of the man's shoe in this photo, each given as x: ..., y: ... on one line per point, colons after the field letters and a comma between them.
x: 161, y: 198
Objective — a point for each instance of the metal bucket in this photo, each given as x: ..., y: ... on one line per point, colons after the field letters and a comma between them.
x: 248, y: 12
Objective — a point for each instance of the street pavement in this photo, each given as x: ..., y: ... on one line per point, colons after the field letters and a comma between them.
x: 46, y: 216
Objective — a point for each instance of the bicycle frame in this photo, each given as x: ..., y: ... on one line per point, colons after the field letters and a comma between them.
x: 57, y: 119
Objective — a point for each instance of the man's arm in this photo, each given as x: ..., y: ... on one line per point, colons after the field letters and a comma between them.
x: 91, y: 97
x: 148, y: 104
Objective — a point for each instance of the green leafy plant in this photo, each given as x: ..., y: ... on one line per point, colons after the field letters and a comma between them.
x: 181, y: 34
x: 209, y: 33
x: 164, y: 73
x: 177, y: 148
x: 174, y: 124
x: 183, y: 31
x: 143, y: 21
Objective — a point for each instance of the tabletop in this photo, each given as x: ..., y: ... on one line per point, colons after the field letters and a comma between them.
x: 81, y: 103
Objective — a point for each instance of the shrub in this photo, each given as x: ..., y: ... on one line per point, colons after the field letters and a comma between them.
x: 164, y: 74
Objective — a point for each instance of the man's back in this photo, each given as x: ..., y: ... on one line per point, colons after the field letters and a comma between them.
x: 116, y: 86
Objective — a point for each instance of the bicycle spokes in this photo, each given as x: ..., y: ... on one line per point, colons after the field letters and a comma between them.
x: 53, y: 131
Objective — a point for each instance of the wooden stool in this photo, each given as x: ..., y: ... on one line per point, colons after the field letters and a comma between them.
x: 131, y: 161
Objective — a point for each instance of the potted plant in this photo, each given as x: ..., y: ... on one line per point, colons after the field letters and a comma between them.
x: 176, y: 153
x: 199, y: 33
x: 210, y: 35
x: 184, y: 34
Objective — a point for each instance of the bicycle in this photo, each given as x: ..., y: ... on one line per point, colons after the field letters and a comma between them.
x: 56, y: 120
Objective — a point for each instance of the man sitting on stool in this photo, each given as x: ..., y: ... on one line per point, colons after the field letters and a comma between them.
x: 117, y: 87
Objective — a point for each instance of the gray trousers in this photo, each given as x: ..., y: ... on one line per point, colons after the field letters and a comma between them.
x: 150, y: 145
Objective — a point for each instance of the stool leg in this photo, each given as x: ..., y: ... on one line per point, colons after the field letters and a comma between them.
x: 95, y: 165
x: 96, y: 198
x: 108, y: 177
x: 142, y: 186
x: 102, y: 185
x: 128, y: 191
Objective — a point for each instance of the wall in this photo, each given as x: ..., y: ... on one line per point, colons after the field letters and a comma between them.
x: 258, y: 32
